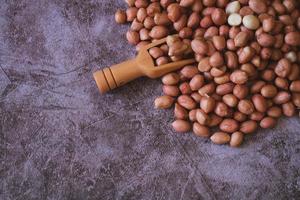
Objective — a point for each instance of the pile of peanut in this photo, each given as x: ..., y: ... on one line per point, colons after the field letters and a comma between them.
x: 247, y: 73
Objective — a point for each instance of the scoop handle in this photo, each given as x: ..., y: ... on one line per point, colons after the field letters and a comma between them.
x: 117, y: 75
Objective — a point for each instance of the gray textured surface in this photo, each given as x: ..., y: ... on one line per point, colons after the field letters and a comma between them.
x: 59, y: 139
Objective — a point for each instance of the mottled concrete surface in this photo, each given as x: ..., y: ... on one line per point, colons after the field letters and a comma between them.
x: 61, y: 140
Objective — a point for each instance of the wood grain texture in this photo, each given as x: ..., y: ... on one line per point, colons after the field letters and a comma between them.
x: 60, y: 139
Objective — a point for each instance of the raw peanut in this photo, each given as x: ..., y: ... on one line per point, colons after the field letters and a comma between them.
x: 295, y: 86
x: 219, y: 42
x: 189, y: 71
x: 246, y: 54
x: 181, y: 23
x: 133, y: 37
x: 172, y: 39
x: 193, y: 20
x: 186, y: 3
x: 207, y: 104
x: 257, y: 86
x: 171, y: 90
x: 283, y: 68
x: 240, y: 91
x: 245, y: 106
x: 204, y: 65
x: 267, y: 122
x: 174, y: 12
x: 229, y: 125
x: 215, y: 120
x: 246, y: 10
x: 149, y: 22
x: 209, y: 3
x: 265, y: 40
x: 130, y: 3
x: 200, y: 130
x: 177, y: 49
x: 141, y: 3
x: 234, y: 19
x: 197, y: 6
x: 224, y: 30
x: 197, y: 82
x: 248, y: 127
x: 186, y: 32
x: 196, y: 96
x: 131, y: 13
x: 295, y: 71
x: 257, y: 116
x: 158, y: 32
x: 162, y: 60
x: 181, y: 126
x: 233, y: 7
x: 192, y: 115
x: 230, y: 100
x: 220, y: 138
x: 141, y: 14
x: 256, y: 47
x: 202, y: 117
x: 292, y: 38
x: 239, y: 77
x: 249, y: 69
x: 268, y: 75
x: 230, y: 45
x: 170, y: 79
x: 236, y: 139
x: 120, y: 17
x: 199, y: 33
x: 222, y: 79
x: 206, y: 22
x: 282, y: 97
x: 241, y: 39
x: 161, y: 19
x: 274, y: 112
x: 296, y: 99
x: 136, y: 26
x: 291, y: 56
x: 266, y: 53
x: 225, y: 88
x: 269, y: 91
x: 240, y: 117
x: 231, y: 60
x: 216, y: 72
x: 282, y: 83
x: 199, y: 46
x: 288, y: 109
x: 251, y: 22
x: 144, y: 34
x: 163, y: 102
x: 289, y: 4
x: 156, y: 52
x: 186, y: 102
x: 234, y: 31
x: 207, y: 89
x: 165, y: 3
x: 219, y: 16
x: 258, y: 6
x: 185, y: 88
x: 153, y: 8
x: 180, y: 112
x: 141, y: 44
x: 216, y: 60
x: 222, y: 110
x: 260, y: 103
x: 210, y: 32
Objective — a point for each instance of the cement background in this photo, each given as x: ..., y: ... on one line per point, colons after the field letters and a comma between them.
x: 60, y: 139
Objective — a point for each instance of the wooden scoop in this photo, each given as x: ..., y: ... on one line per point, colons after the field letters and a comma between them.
x: 143, y: 65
